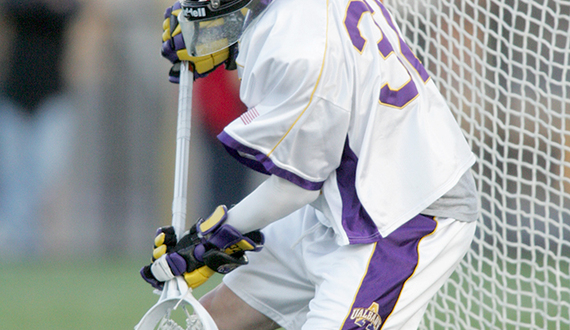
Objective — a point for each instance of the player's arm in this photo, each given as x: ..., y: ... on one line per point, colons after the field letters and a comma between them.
x: 271, y: 201
x: 218, y: 242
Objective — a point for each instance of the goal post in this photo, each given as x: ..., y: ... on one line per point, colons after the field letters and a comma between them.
x: 504, y: 68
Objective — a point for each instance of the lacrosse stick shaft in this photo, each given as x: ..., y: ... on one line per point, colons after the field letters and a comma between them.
x: 176, y: 289
x: 182, y: 150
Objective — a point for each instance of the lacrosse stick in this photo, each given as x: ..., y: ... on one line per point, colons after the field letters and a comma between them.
x: 176, y: 292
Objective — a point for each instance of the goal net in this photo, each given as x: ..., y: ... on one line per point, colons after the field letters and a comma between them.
x: 504, y: 68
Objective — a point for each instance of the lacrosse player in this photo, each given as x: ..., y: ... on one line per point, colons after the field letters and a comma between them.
x: 369, y: 205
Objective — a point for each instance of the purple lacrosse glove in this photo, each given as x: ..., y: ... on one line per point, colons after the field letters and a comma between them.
x: 173, y: 47
x: 164, y: 242
x: 209, y: 243
x: 172, y: 40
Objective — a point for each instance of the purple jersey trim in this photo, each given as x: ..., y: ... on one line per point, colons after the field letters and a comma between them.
x: 356, y: 222
x: 393, y: 262
x: 262, y: 163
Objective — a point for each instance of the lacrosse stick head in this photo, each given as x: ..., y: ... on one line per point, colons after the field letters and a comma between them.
x: 176, y: 296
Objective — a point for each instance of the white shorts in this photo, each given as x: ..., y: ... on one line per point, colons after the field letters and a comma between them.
x: 303, y: 279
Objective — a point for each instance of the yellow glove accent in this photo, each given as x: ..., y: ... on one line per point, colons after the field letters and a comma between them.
x: 159, y: 251
x: 159, y: 239
x: 176, y: 12
x: 206, y: 63
x: 165, y: 35
x: 242, y: 245
x: 214, y: 218
x: 183, y: 55
x: 198, y: 277
x: 177, y: 30
x: 166, y: 27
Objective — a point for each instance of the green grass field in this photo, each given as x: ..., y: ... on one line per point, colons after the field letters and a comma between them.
x: 86, y: 294
x: 92, y: 293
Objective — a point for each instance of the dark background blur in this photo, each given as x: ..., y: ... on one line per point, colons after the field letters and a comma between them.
x: 87, y: 131
x: 87, y: 149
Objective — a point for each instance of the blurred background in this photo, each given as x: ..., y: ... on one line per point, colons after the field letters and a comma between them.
x: 87, y: 148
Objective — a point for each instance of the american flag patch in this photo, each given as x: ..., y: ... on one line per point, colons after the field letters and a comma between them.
x: 249, y: 116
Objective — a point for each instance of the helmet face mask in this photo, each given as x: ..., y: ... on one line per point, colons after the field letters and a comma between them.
x: 208, y: 36
x: 209, y: 26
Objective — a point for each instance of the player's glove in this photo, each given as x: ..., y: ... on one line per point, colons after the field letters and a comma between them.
x: 210, y: 246
x: 174, y: 49
x: 164, y: 242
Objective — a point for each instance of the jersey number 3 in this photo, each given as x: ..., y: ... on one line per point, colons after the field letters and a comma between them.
x: 408, y: 91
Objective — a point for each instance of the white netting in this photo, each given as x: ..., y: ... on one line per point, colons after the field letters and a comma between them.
x: 172, y: 311
x: 504, y: 67
x: 192, y: 322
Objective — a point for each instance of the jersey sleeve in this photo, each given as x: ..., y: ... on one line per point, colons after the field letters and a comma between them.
x: 301, y: 144
x: 291, y: 129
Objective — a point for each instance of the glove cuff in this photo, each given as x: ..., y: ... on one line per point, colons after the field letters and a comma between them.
x: 230, y: 240
x: 215, y: 232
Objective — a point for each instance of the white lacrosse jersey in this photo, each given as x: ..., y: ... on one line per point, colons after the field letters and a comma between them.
x: 338, y: 103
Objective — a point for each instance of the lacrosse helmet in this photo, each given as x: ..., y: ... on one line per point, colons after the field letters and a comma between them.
x: 209, y: 26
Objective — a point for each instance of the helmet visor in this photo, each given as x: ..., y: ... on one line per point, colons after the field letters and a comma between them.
x: 204, y: 37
